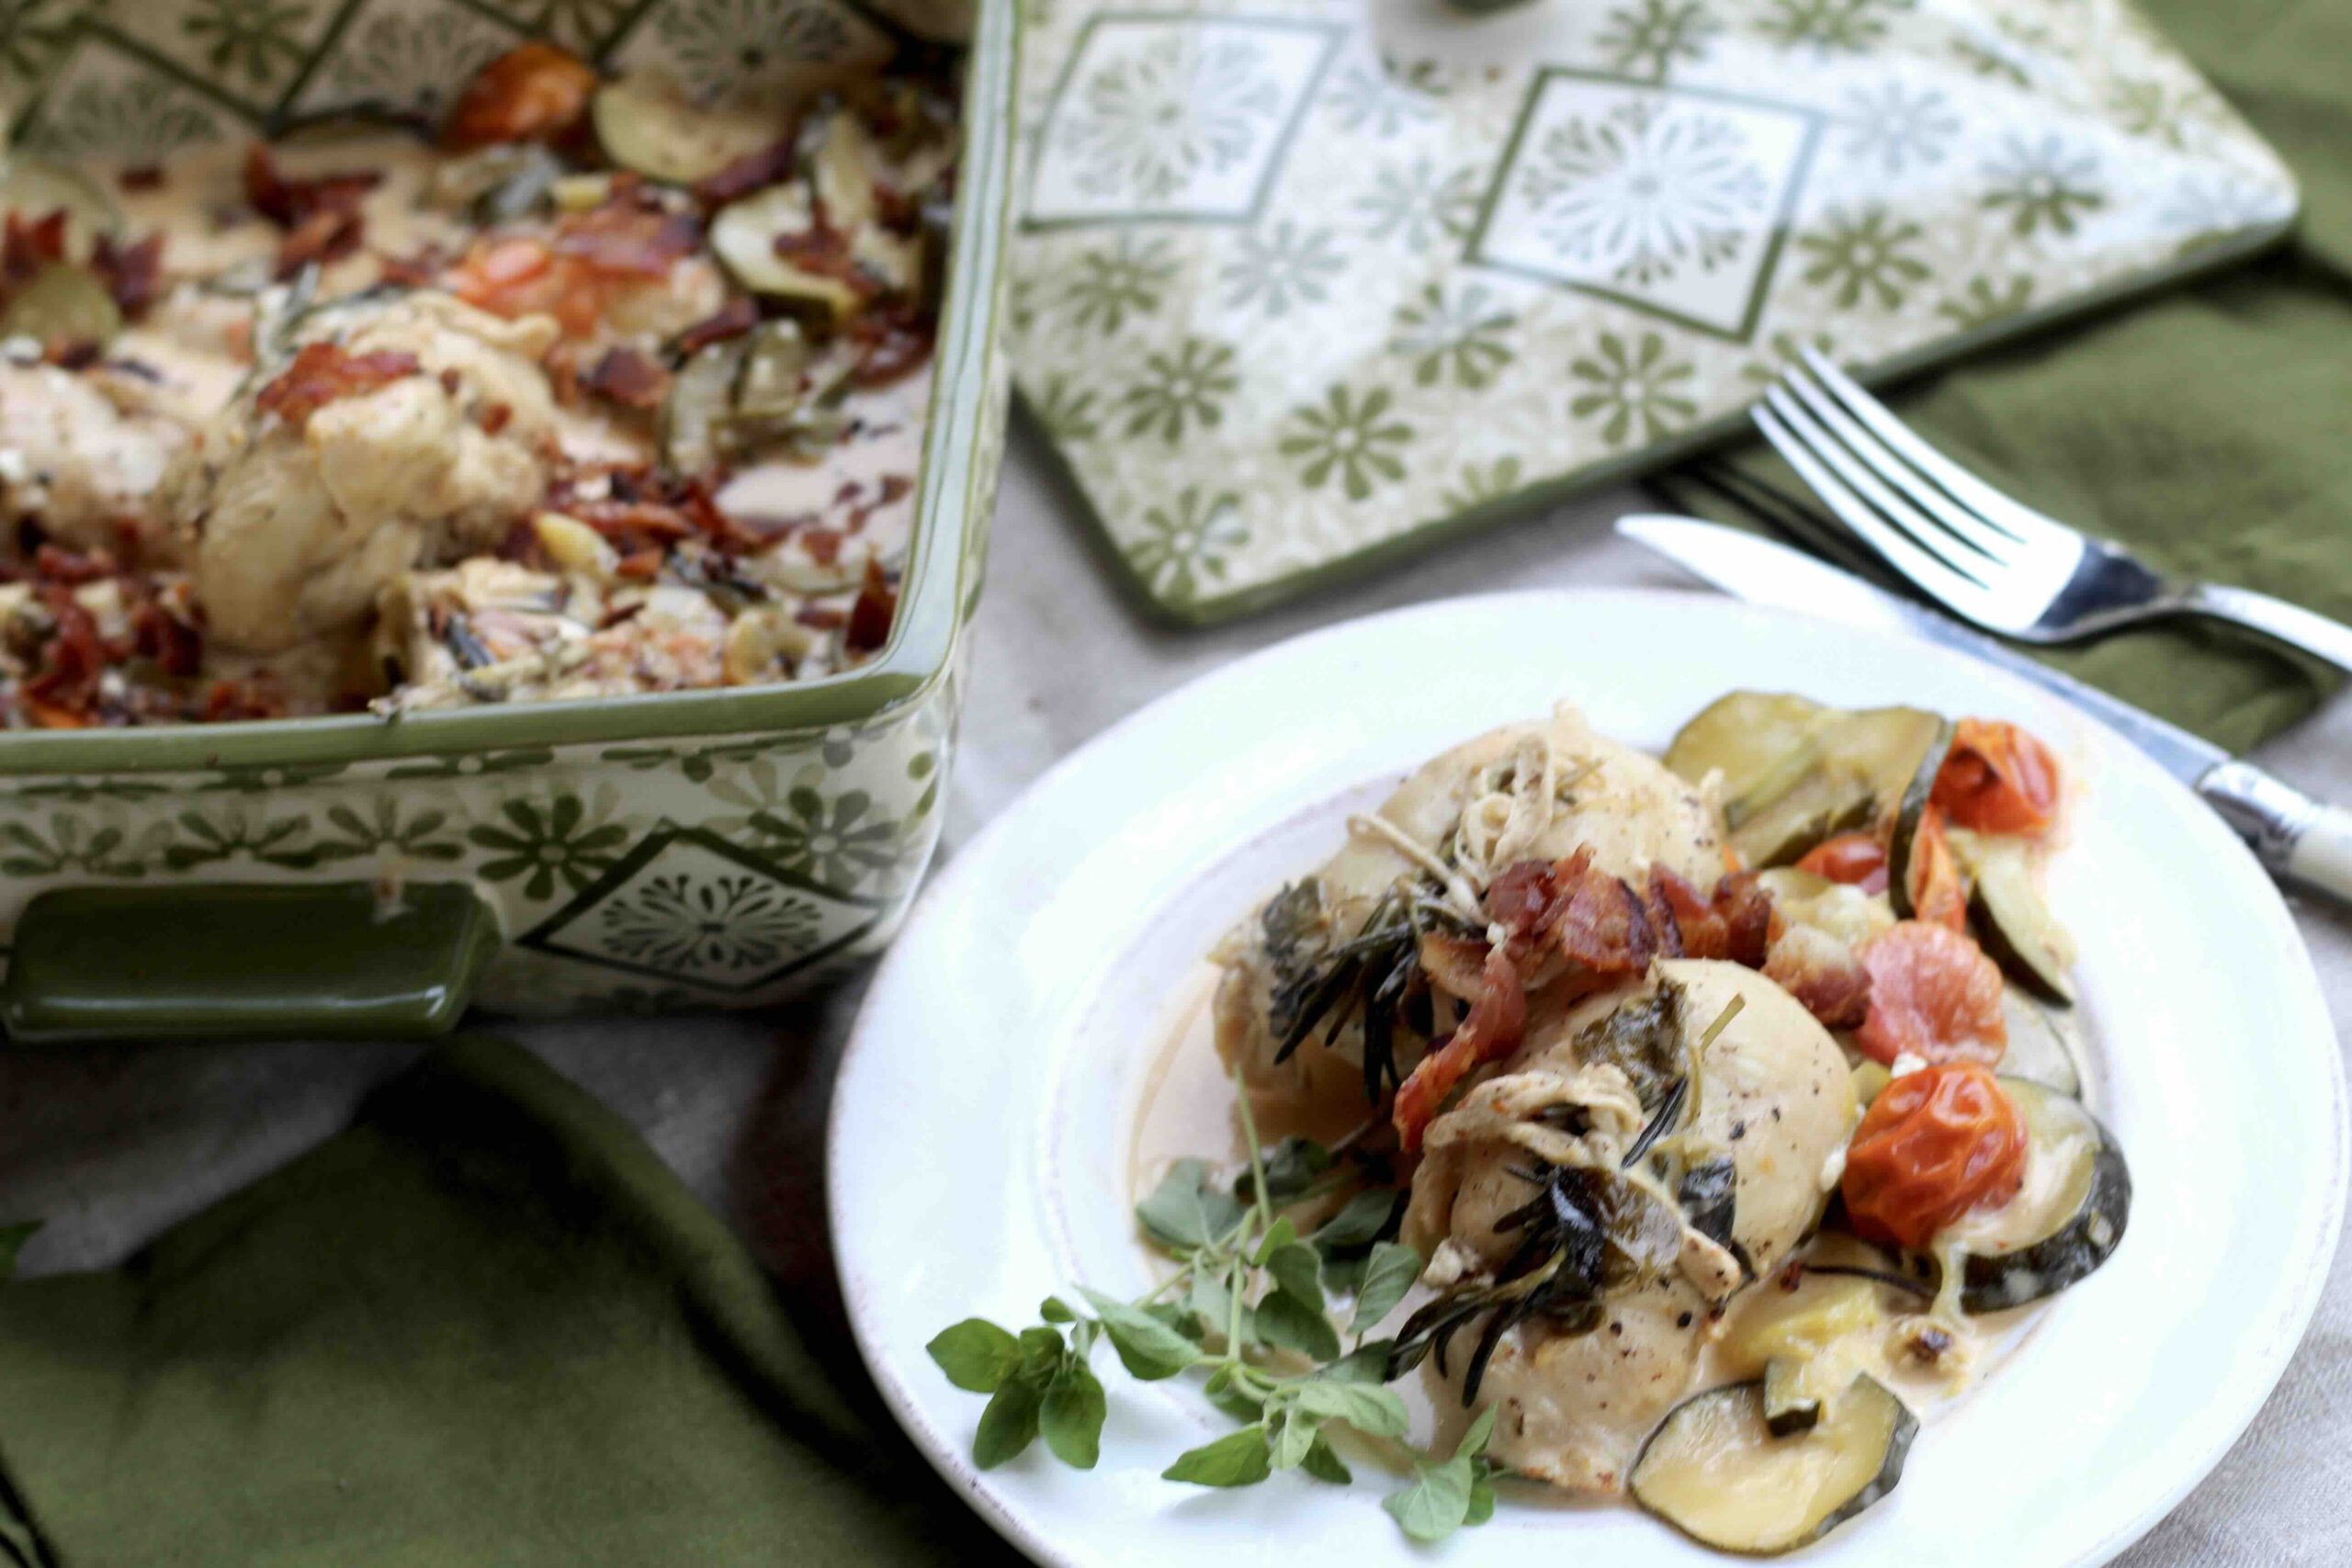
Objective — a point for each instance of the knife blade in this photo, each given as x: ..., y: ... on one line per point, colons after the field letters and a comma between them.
x: 2292, y: 834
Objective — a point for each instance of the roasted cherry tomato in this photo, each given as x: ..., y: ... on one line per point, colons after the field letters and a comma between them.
x: 1997, y: 779
x: 1934, y: 1144
x: 534, y: 92
x: 1938, y: 894
x: 1933, y: 995
x: 1857, y: 858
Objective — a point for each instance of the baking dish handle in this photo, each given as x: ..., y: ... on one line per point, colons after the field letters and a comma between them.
x: 247, y: 961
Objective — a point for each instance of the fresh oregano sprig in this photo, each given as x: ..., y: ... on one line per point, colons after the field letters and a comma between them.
x: 1250, y: 1299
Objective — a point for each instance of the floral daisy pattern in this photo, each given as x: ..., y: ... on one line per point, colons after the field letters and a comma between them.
x: 1338, y: 285
x: 1162, y: 118
x: 1185, y: 545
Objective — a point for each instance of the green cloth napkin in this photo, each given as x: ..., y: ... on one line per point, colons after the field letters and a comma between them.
x: 2209, y: 428
x: 483, y: 1326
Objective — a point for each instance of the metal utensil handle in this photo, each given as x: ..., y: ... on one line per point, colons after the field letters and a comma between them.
x: 2291, y: 623
x: 2294, y: 835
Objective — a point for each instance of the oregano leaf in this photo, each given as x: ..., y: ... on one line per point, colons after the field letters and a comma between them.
x: 1147, y: 1347
x: 1237, y: 1459
x: 1287, y: 1323
x: 1071, y: 1416
x: 1436, y: 1504
x: 1323, y: 1462
x: 1297, y: 1270
x: 1291, y: 1439
x: 975, y: 1354
x: 1184, y: 1211
x: 1368, y: 1362
x: 1358, y: 1223
x: 1389, y: 1274
x: 1009, y: 1423
x: 1374, y: 1410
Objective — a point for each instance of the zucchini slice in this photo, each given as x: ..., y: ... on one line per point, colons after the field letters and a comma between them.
x: 2013, y: 925
x: 647, y: 124
x: 743, y: 237
x: 1714, y: 1471
x: 1789, y: 1407
x: 1794, y: 771
x: 1763, y: 742
x: 2066, y: 1220
x: 1909, y: 809
x: 2044, y: 1047
x: 63, y: 303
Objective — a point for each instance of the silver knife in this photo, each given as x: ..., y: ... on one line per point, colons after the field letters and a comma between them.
x: 2295, y: 836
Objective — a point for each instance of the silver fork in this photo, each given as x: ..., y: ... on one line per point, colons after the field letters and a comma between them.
x: 1986, y: 557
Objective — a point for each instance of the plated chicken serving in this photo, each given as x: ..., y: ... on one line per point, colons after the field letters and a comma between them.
x: 1732, y: 1098
x: 592, y: 390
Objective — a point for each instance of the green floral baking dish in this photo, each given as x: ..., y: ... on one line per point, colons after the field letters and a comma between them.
x: 362, y: 875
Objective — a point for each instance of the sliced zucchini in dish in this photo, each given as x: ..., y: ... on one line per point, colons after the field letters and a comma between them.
x: 63, y: 303
x: 743, y: 237
x: 2012, y: 922
x: 843, y: 172
x: 2066, y: 1220
x: 647, y: 124
x: 1809, y: 1342
x: 1715, y: 1470
x: 701, y: 399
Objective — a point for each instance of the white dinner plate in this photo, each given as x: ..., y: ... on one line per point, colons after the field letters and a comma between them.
x: 979, y: 1150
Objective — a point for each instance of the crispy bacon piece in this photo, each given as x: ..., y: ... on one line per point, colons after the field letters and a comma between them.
x: 70, y: 353
x: 534, y: 92
x: 897, y: 342
x: 320, y: 215
x: 1519, y: 896
x: 27, y: 247
x: 624, y: 375
x: 870, y: 617
x: 574, y: 276
x: 286, y: 202
x: 54, y: 563
x: 1455, y: 965
x: 1747, y: 909
x: 1600, y: 923
x: 176, y: 646
x: 771, y: 164
x: 133, y: 273
x: 322, y: 373
x: 1822, y: 973
x: 624, y: 241
x: 63, y: 693
x: 1492, y: 1031
x: 731, y: 320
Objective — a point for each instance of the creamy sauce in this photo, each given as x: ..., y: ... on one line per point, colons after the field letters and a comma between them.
x: 175, y: 380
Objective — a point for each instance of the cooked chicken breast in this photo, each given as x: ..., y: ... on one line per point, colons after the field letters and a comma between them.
x: 1533, y: 791
x: 1773, y: 1095
x: 295, y: 530
x: 77, y: 460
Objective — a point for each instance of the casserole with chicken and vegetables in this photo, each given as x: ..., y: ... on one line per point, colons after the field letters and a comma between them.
x: 553, y: 469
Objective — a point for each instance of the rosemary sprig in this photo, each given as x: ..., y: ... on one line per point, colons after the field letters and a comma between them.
x: 1252, y: 1298
x: 1376, y: 974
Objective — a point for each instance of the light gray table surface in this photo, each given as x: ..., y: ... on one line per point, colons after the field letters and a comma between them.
x: 110, y: 1144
